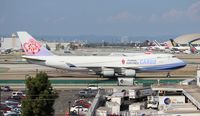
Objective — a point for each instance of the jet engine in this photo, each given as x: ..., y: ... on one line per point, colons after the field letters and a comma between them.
x: 108, y: 72
x: 129, y: 72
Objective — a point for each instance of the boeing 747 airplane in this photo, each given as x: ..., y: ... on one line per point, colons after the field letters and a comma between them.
x: 114, y: 65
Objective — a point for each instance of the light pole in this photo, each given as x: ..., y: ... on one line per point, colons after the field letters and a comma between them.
x: 97, y: 81
x: 69, y: 103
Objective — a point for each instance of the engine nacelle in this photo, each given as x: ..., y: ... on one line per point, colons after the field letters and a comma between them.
x: 107, y: 72
x: 129, y: 73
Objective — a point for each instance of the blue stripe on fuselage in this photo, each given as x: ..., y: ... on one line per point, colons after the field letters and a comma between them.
x: 165, y: 67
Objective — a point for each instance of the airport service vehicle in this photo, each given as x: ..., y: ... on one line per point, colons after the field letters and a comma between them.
x: 93, y: 87
x: 158, y: 101
x: 101, y: 65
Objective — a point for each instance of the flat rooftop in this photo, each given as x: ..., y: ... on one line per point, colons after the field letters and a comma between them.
x: 192, y: 92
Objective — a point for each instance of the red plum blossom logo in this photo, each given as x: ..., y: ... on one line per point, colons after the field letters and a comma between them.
x: 32, y: 46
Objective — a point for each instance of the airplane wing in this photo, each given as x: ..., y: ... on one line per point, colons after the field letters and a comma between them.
x: 32, y: 58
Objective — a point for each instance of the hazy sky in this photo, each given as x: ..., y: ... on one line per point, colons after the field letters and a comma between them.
x: 100, y: 17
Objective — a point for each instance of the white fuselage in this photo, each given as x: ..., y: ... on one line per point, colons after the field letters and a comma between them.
x: 143, y: 62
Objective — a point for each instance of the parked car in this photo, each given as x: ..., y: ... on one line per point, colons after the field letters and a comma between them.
x: 11, y: 102
x: 18, y: 93
x: 14, y: 98
x: 10, y: 113
x: 79, y: 110
x: 4, y: 107
x: 87, y: 93
x: 82, y: 102
x: 17, y: 110
x: 6, y: 88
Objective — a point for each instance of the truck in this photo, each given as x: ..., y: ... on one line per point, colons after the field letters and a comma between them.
x: 140, y: 93
x: 158, y: 102
x: 125, y: 81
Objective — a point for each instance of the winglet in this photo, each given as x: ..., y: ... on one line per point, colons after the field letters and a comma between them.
x: 31, y: 46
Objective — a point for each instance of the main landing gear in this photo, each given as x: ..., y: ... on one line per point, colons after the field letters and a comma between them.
x: 168, y: 75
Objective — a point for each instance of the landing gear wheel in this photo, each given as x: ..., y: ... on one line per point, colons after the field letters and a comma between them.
x: 168, y: 75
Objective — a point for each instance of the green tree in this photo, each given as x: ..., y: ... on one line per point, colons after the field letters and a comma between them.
x: 40, y: 96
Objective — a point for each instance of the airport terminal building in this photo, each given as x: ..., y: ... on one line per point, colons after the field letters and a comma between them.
x: 10, y: 43
x: 184, y: 39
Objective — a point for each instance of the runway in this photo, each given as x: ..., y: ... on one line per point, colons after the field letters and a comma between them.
x: 19, y: 72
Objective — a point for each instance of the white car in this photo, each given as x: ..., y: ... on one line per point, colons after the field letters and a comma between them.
x: 93, y: 87
x: 17, y: 110
x: 10, y: 113
x: 18, y: 93
x: 79, y: 110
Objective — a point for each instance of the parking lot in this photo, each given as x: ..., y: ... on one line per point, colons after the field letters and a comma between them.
x: 62, y: 104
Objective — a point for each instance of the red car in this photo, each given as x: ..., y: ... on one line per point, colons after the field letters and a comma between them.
x: 83, y: 103
x: 4, y: 107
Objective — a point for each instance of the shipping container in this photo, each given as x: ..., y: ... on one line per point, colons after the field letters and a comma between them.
x: 114, y: 108
x: 136, y: 106
x: 161, y: 101
x: 117, y: 99
x: 102, y: 111
x: 139, y: 93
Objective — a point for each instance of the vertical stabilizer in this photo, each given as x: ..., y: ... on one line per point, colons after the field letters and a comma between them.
x: 174, y: 44
x: 157, y: 44
x: 192, y: 48
x: 31, y: 46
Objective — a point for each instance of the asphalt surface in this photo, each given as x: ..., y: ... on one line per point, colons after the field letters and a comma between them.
x: 18, y: 71
x: 61, y: 105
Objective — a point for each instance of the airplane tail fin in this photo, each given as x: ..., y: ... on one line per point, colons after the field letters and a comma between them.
x: 174, y: 44
x: 157, y: 44
x: 31, y: 46
x: 192, y: 48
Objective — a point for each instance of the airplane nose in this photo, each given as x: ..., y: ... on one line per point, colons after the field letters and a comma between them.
x: 182, y: 63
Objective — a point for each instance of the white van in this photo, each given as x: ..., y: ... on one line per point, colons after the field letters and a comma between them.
x: 18, y: 93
